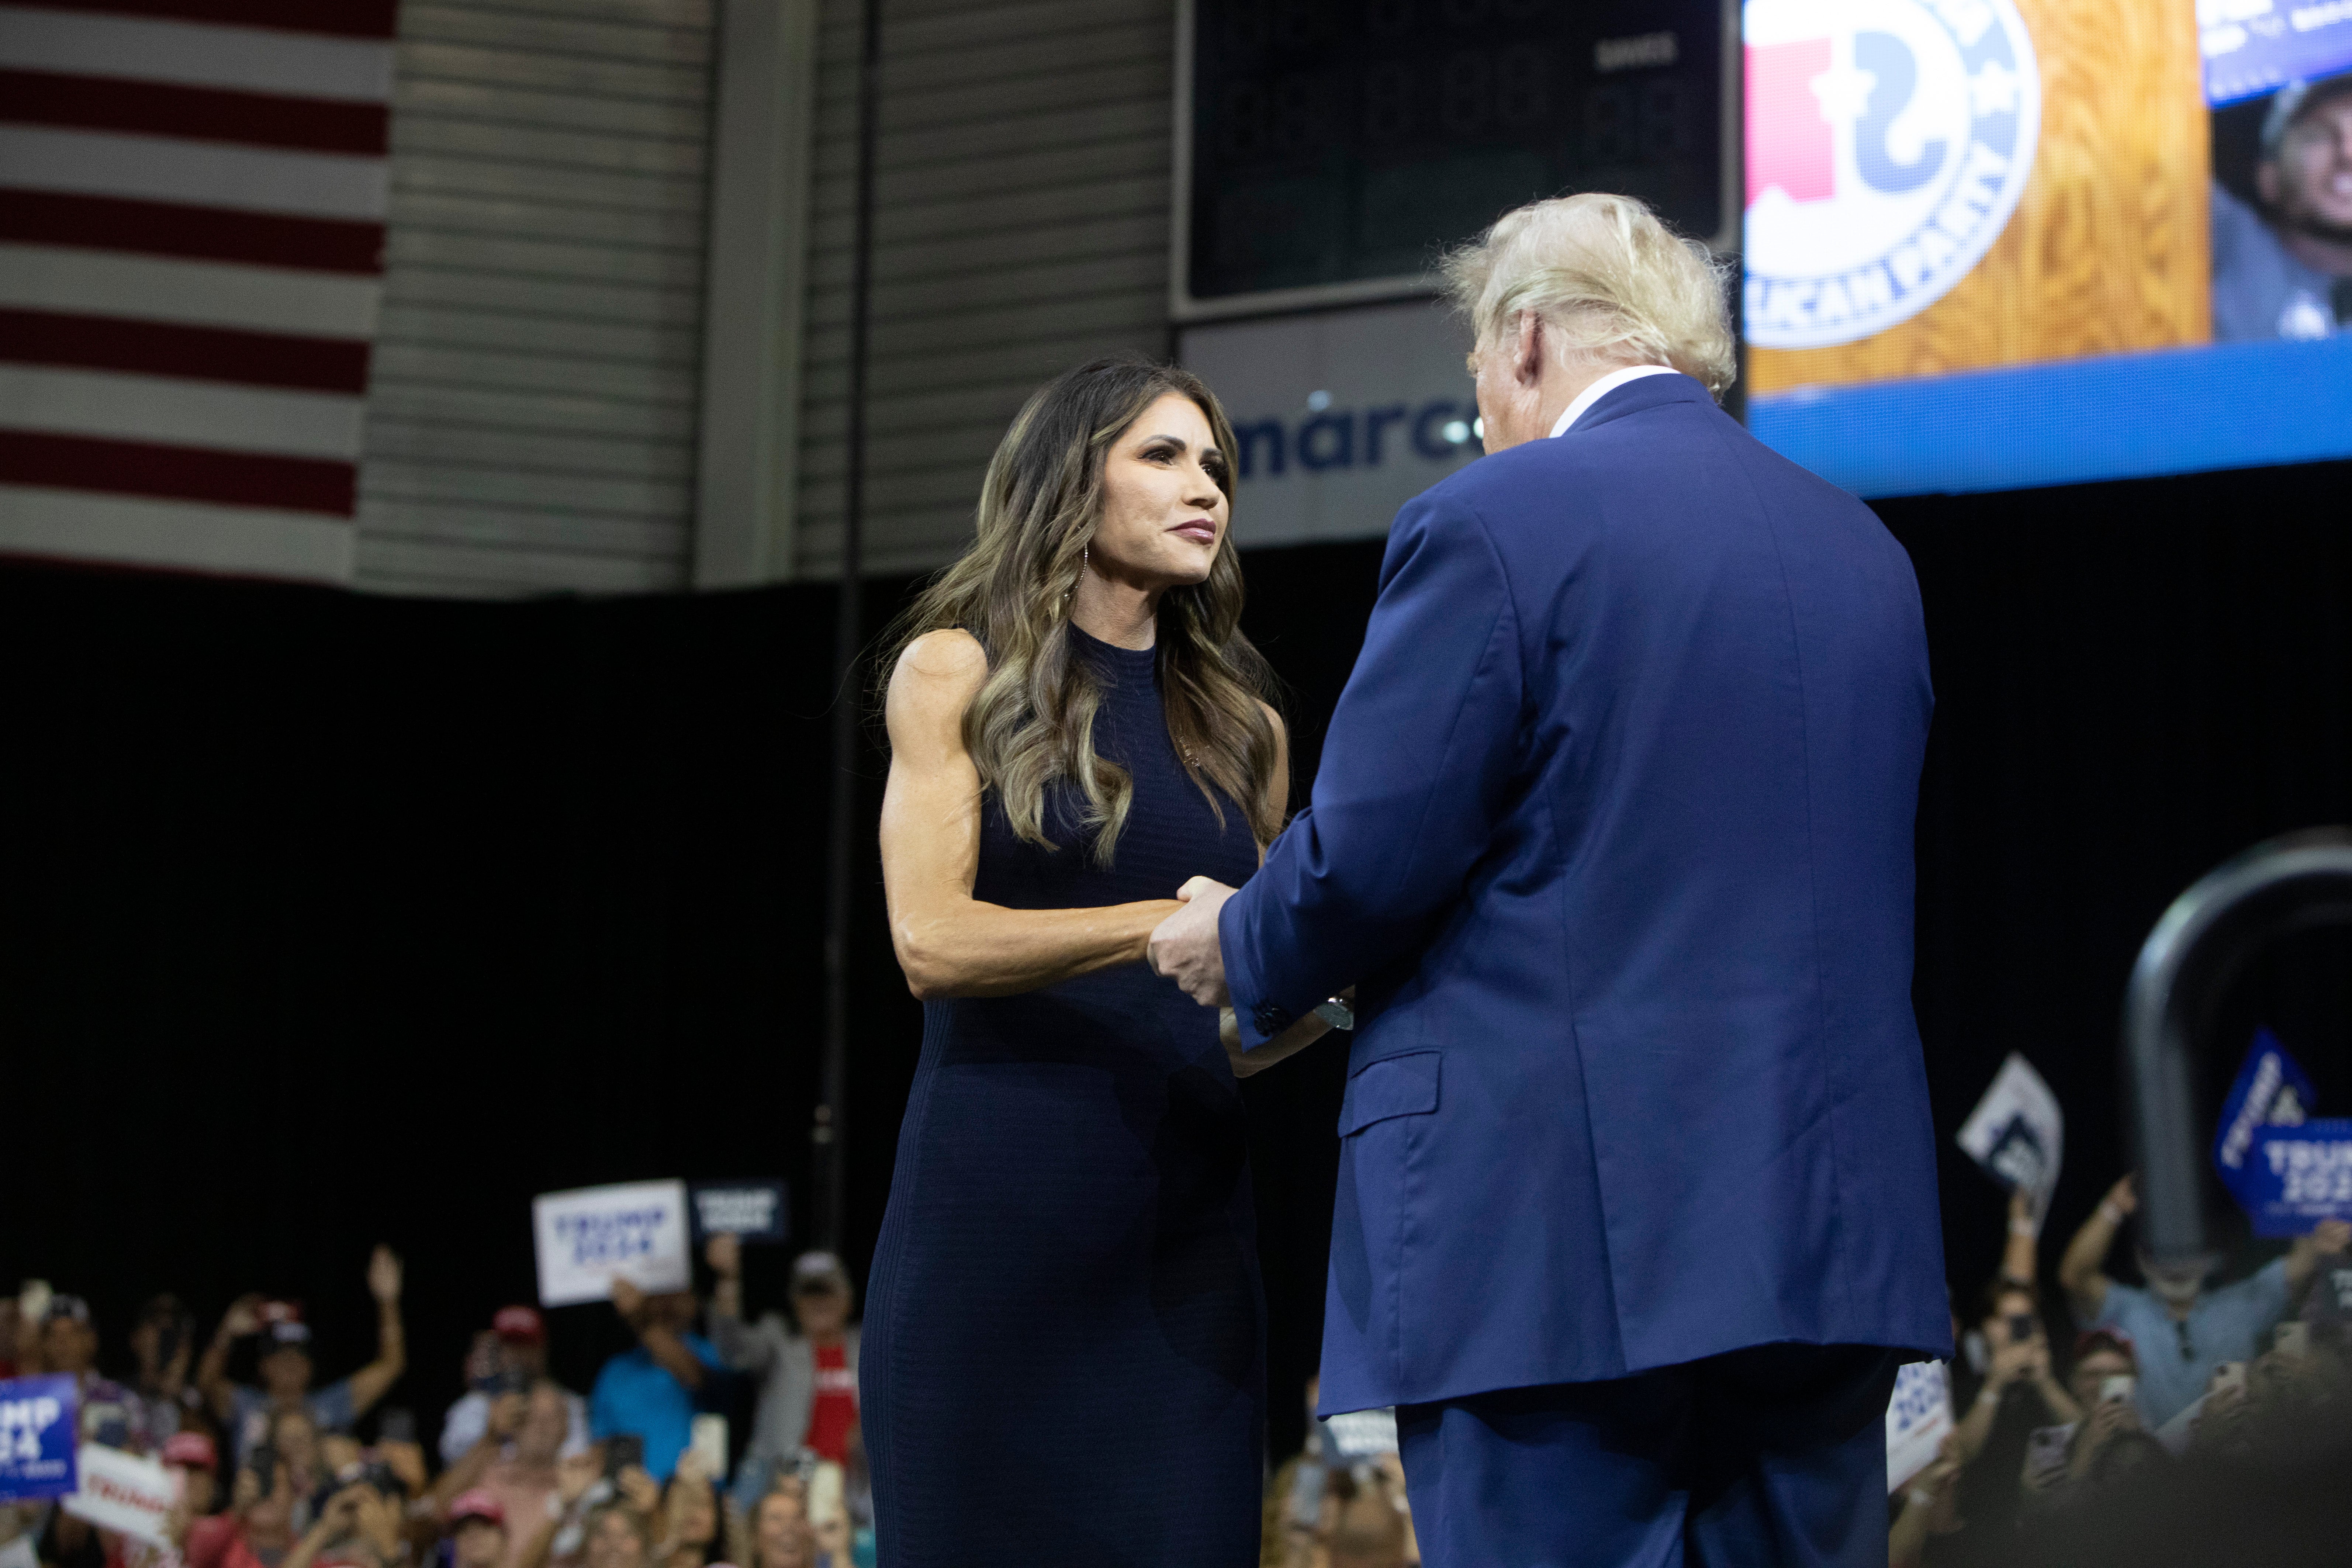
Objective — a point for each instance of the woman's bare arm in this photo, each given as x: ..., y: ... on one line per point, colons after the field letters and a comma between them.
x: 948, y: 943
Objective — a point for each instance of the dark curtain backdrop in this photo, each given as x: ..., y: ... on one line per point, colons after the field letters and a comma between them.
x: 326, y: 919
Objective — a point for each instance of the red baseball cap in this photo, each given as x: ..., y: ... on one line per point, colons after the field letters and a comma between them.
x: 191, y: 1449
x: 521, y: 1325
x: 478, y: 1504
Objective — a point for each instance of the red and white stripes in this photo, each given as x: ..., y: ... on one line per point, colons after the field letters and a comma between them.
x: 192, y: 219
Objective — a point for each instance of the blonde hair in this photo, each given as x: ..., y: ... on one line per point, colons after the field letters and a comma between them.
x: 1032, y: 722
x: 1612, y: 282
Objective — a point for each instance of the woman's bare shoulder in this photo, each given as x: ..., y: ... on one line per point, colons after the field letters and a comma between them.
x: 951, y: 656
x: 938, y: 671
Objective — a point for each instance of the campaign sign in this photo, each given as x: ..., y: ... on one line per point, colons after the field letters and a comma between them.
x: 2017, y: 1133
x: 1358, y: 1435
x: 1919, y: 1418
x: 1888, y: 140
x: 38, y: 1425
x: 2271, y: 1091
x: 2298, y: 1176
x: 583, y: 1237
x: 123, y: 1492
x: 751, y: 1211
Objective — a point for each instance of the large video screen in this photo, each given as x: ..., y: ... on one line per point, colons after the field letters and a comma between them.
x: 1999, y: 243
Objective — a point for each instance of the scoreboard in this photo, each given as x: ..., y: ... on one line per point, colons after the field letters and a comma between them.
x: 1328, y: 149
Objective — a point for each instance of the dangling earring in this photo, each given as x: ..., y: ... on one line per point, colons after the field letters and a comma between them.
x: 1086, y: 556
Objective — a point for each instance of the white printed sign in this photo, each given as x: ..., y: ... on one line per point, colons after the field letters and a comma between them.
x: 634, y: 1229
x: 123, y: 1492
x: 2018, y: 1133
x: 1918, y: 1419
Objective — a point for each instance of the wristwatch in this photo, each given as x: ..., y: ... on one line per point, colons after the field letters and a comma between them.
x: 1336, y: 1013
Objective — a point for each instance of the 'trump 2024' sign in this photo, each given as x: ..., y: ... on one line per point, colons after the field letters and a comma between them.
x: 586, y: 1236
x: 37, y: 1437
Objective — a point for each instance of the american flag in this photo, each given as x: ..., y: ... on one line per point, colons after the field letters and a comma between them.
x: 192, y: 219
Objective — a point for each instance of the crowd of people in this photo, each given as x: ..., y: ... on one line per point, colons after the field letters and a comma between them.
x: 2151, y: 1380
x: 2155, y: 1384
x: 525, y: 1473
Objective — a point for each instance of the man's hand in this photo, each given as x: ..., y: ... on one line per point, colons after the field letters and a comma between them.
x: 1185, y: 949
x: 628, y: 1301
x: 725, y: 1254
x: 383, y: 1275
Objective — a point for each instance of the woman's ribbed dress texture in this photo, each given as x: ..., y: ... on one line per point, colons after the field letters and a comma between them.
x: 1063, y: 1352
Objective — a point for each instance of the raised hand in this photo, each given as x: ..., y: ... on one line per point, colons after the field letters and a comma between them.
x: 384, y: 1274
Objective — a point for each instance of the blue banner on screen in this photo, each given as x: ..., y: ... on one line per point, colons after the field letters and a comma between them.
x: 1986, y: 250
x: 2270, y: 1090
x: 2258, y: 46
x: 2298, y: 1176
x: 38, y: 1433
x: 750, y: 1211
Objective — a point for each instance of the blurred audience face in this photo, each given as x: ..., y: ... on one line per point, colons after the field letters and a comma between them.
x: 197, y: 1486
x: 778, y: 1530
x: 285, y: 1371
x: 695, y: 1515
x: 69, y: 1346
x: 480, y: 1544
x: 615, y: 1539
x: 2092, y: 1368
x: 269, y: 1519
x: 672, y: 1309
x: 821, y: 1307
x: 2177, y: 1286
x: 2009, y: 1306
x: 545, y: 1424
x: 296, y: 1437
x: 2310, y: 182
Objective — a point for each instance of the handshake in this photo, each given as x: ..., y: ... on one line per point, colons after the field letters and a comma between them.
x: 1185, y: 947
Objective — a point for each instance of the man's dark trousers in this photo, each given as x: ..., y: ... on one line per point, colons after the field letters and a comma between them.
x: 1773, y: 1455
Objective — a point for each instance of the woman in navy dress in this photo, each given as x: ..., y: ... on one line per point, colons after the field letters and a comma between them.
x: 1063, y: 1360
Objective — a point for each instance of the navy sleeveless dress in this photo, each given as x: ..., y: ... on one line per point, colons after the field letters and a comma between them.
x: 1063, y: 1360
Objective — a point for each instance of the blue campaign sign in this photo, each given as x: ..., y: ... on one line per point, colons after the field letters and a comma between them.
x: 2298, y: 1176
x: 2270, y: 1090
x: 749, y: 1210
x: 39, y: 1436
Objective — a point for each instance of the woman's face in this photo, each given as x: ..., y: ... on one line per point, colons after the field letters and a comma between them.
x: 1163, y: 516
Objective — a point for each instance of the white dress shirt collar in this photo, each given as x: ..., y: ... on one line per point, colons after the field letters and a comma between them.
x: 1603, y: 388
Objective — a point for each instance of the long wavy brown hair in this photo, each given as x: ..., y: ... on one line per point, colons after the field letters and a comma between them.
x: 1032, y: 722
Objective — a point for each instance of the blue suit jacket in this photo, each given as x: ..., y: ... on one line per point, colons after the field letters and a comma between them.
x: 1613, y: 828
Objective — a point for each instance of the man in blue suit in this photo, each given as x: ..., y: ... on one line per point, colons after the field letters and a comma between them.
x: 1613, y: 831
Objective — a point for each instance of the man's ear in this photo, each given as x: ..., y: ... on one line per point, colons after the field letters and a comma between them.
x: 1527, y: 357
